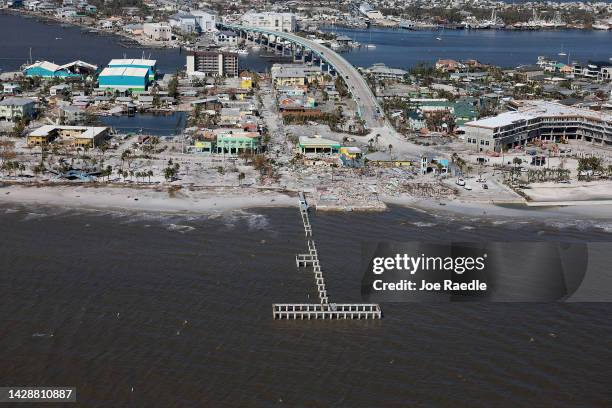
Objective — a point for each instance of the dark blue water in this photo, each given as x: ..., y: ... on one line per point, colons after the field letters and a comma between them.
x: 147, y: 123
x: 395, y: 47
x: 404, y: 49
x: 18, y: 35
x: 157, y: 310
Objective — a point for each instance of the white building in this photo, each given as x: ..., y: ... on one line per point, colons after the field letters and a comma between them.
x: 285, y: 22
x: 206, y: 20
x: 157, y: 31
x: 538, y: 120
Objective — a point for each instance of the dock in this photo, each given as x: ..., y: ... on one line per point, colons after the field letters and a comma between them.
x: 332, y: 311
x: 325, y: 309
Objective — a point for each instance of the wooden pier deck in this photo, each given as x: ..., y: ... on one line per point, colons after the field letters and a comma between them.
x: 304, y: 311
x: 324, y: 310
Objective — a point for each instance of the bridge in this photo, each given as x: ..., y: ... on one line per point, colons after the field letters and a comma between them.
x: 308, y: 51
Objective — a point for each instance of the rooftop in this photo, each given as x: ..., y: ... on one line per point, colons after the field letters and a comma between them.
x: 537, y: 109
x: 16, y: 102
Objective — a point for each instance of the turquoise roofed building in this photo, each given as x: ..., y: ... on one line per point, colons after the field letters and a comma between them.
x: 150, y: 65
x: 124, y: 79
x: 46, y: 69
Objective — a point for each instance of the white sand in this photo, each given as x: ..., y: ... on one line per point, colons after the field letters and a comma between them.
x: 144, y: 199
x: 590, y: 210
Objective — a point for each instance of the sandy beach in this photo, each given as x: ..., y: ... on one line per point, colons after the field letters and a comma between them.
x: 183, y: 200
x: 583, y: 209
x: 224, y: 199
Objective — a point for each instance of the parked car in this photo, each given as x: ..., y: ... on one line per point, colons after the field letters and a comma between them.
x: 460, y: 182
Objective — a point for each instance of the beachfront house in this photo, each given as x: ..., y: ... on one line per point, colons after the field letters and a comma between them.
x: 12, y: 109
x: 77, y: 136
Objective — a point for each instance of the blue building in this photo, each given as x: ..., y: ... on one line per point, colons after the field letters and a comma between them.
x: 46, y: 69
x: 124, y: 78
x: 150, y: 65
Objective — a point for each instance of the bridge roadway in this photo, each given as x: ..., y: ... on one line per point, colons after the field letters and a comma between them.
x: 369, y: 109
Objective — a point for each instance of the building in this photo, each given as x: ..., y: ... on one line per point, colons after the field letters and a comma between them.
x: 226, y: 37
x: 124, y: 79
x: 11, y: 89
x: 157, y: 31
x: 232, y: 141
x: 317, y: 145
x: 538, y: 120
x: 212, y: 63
x: 72, y: 115
x: 285, y: 22
x: 294, y: 74
x: 184, y: 22
x: 78, y: 136
x: 381, y: 71
x: 206, y: 21
x: 46, y: 69
x: 150, y: 65
x: 12, y: 109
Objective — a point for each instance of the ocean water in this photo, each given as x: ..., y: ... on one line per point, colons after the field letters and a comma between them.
x: 175, y: 310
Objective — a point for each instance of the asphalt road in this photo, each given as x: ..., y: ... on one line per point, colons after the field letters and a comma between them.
x: 359, y: 88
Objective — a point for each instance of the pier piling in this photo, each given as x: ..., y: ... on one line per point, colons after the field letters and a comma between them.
x: 324, y: 310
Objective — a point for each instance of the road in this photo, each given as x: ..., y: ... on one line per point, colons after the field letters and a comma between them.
x: 369, y: 109
x: 359, y: 88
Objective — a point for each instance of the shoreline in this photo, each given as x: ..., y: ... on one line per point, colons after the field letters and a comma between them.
x: 173, y: 199
x: 192, y: 199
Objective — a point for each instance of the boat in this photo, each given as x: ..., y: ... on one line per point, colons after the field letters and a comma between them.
x: 242, y: 51
x: 371, y: 46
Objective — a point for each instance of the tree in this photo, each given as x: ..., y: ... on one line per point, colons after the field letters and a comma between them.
x: 173, y: 86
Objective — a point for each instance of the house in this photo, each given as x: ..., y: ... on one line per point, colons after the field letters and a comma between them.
x: 294, y: 74
x: 317, y: 145
x: 448, y: 65
x: 184, y: 22
x: 72, y: 115
x: 77, y: 136
x: 206, y: 21
x: 234, y: 141
x: 11, y: 89
x: 226, y: 37
x: 157, y: 31
x: 381, y: 71
x: 12, y: 109
x: 59, y: 89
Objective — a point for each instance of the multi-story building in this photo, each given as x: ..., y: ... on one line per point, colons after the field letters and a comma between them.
x: 294, y: 74
x: 285, y: 22
x: 157, y: 31
x: 538, y: 120
x: 212, y: 63
x: 205, y: 20
x: 12, y: 109
x: 78, y: 136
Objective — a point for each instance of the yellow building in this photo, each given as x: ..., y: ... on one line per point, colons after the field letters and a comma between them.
x: 78, y: 136
x: 246, y: 82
